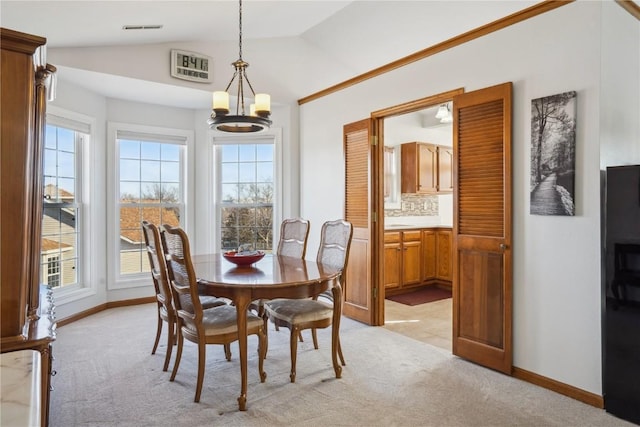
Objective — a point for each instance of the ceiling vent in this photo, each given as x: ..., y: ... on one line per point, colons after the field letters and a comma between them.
x: 141, y: 27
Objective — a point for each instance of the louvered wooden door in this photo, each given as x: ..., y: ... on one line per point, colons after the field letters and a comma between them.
x: 358, y: 293
x: 482, y: 296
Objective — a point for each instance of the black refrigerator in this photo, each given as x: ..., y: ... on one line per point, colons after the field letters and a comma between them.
x: 621, y: 292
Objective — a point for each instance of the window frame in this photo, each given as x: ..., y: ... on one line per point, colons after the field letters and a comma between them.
x: 116, y: 131
x: 84, y: 127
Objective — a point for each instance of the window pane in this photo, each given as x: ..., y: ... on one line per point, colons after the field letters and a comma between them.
x: 66, y: 140
x: 129, y: 170
x: 264, y: 193
x: 229, y: 193
x: 50, y: 138
x: 264, y: 152
x: 170, y: 172
x: 170, y: 193
x: 130, y: 191
x: 66, y: 164
x: 151, y: 192
x: 66, y: 189
x: 247, y: 172
x: 247, y: 153
x: 50, y: 162
x: 129, y: 149
x: 170, y: 152
x: 150, y: 151
x: 149, y: 170
x: 229, y: 153
x: 264, y: 172
x: 170, y: 216
x: 229, y: 172
x: 131, y: 261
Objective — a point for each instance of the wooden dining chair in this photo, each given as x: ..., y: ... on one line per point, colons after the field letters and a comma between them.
x: 300, y: 314
x: 292, y: 243
x: 216, y: 325
x: 164, y: 295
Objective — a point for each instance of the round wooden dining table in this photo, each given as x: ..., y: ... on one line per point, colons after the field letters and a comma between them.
x: 271, y: 277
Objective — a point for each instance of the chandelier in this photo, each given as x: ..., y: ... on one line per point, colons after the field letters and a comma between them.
x: 258, y: 117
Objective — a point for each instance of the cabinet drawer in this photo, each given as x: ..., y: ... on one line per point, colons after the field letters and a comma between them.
x: 392, y: 237
x: 412, y: 235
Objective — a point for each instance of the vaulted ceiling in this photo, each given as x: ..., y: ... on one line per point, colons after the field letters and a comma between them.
x: 295, y: 48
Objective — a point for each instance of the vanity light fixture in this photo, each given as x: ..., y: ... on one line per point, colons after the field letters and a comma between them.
x: 257, y: 118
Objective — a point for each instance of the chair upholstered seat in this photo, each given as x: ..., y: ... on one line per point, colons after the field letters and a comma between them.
x: 205, y: 300
x: 299, y: 310
x: 223, y: 320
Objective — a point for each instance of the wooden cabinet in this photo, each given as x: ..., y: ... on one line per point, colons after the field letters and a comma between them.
x: 417, y: 257
x: 430, y: 254
x: 402, y: 259
x: 419, y: 164
x: 444, y: 248
x: 445, y: 169
x: 426, y: 168
x: 27, y: 317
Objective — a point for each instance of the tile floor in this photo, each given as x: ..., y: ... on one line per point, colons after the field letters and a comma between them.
x: 430, y: 322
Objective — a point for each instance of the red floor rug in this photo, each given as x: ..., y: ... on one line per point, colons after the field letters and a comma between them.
x: 421, y: 296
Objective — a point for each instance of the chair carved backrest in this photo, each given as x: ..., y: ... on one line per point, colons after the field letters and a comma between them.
x: 335, y: 243
x: 182, y: 277
x: 293, y: 237
x: 158, y: 265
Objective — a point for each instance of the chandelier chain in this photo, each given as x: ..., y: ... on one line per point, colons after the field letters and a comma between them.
x: 240, y: 30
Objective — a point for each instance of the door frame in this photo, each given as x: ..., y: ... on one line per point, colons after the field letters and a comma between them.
x: 377, y: 182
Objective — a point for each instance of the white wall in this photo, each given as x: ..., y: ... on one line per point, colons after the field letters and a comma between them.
x: 556, y: 280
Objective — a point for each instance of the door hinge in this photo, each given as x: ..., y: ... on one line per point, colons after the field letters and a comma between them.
x: 374, y: 139
x: 375, y: 293
x: 374, y: 216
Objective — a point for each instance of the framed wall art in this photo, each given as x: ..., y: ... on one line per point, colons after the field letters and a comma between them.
x: 553, y: 154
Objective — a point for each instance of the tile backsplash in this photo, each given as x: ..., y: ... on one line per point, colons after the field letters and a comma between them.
x: 415, y: 205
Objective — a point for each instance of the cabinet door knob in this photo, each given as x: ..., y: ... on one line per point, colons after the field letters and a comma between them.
x: 503, y: 247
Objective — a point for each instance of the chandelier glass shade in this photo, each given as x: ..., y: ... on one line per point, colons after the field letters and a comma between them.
x: 245, y: 120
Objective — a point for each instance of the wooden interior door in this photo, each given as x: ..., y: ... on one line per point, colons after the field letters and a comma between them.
x: 359, y: 158
x: 482, y: 297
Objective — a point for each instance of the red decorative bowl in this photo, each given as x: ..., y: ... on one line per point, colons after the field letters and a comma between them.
x: 239, y: 259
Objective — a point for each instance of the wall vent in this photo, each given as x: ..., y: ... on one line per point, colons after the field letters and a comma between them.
x: 141, y: 27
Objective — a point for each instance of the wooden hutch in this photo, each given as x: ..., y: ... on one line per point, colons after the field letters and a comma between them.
x: 27, y: 319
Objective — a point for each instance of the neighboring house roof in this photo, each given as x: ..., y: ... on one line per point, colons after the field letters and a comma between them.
x: 131, y: 218
x: 52, y: 245
x: 55, y: 193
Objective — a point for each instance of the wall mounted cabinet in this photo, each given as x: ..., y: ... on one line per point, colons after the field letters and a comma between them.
x: 426, y: 168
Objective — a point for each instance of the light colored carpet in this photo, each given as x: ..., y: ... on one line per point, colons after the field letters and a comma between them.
x: 106, y: 376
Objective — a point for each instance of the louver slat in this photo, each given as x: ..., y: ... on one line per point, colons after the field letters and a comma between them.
x: 481, y: 170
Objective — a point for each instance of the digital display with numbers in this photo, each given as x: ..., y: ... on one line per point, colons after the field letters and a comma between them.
x: 190, y: 66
